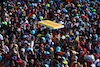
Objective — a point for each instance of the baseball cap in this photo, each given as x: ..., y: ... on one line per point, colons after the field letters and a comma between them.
x: 22, y: 49
x: 19, y: 29
x: 67, y: 35
x: 48, y: 35
x: 63, y: 37
x: 46, y: 65
x: 95, y: 36
x: 63, y: 58
x: 24, y: 36
x: 58, y: 49
x: 39, y: 35
x: 33, y: 32
x: 43, y: 38
x: 46, y: 52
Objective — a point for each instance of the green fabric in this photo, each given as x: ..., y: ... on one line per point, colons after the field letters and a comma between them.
x: 4, y: 23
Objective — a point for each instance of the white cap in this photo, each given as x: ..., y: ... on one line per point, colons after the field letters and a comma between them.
x: 66, y: 15
x: 10, y: 13
x: 58, y: 11
x: 93, y: 65
x: 28, y: 43
x: 16, y: 45
x: 35, y: 4
x: 15, y: 52
x: 18, y: 3
x: 26, y: 21
x: 77, y: 33
x: 5, y: 9
x: 63, y: 37
x: 22, y: 49
x: 25, y: 42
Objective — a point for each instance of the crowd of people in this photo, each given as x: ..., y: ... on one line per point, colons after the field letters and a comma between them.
x: 26, y: 43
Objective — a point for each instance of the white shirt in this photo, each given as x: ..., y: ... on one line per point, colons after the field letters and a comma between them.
x: 1, y: 37
x: 32, y: 44
x: 90, y: 57
x: 98, y: 50
x: 97, y: 61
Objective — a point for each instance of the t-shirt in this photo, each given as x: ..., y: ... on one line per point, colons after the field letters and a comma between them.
x: 1, y: 37
x: 98, y: 50
x: 97, y: 62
